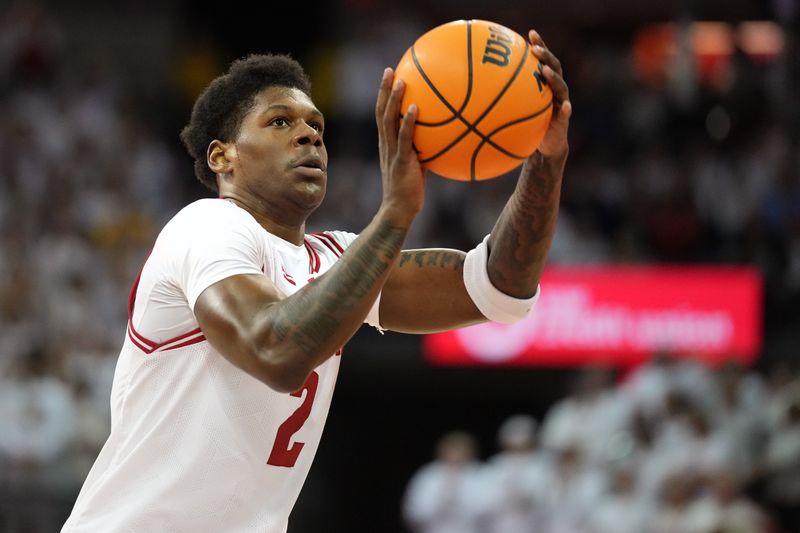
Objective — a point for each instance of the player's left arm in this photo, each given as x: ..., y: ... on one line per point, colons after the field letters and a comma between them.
x: 425, y: 291
x: 523, y: 233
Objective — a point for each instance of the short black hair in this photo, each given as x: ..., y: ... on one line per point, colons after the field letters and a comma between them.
x: 219, y: 110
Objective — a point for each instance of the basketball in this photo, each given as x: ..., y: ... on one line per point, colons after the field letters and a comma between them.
x: 484, y: 104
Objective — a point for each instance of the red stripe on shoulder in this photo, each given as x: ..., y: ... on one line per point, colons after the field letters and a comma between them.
x: 330, y: 240
x: 328, y: 245
x: 333, y: 240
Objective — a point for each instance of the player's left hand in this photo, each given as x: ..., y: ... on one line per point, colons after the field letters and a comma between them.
x: 555, y: 139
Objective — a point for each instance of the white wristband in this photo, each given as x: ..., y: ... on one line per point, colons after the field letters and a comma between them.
x: 492, y: 303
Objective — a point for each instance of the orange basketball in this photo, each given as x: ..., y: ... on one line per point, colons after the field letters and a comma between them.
x: 484, y: 105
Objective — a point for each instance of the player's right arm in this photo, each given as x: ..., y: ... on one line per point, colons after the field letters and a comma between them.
x: 281, y: 340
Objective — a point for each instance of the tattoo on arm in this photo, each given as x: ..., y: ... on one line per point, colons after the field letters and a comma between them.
x: 523, y: 233
x: 316, y: 312
x: 435, y: 258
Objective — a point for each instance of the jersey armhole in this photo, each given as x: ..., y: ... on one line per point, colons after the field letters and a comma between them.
x: 149, y: 346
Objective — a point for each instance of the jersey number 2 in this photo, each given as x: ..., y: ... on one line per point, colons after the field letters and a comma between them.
x: 284, y: 454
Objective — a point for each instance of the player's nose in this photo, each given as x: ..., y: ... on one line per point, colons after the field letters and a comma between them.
x: 308, y: 135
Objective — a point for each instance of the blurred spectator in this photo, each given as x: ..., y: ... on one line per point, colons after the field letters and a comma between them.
x: 514, y: 480
x: 442, y: 497
x: 674, y: 464
x: 588, y: 418
x: 724, y: 509
x: 37, y: 414
x: 674, y: 513
x: 622, y: 508
x: 782, y: 467
x: 574, y: 489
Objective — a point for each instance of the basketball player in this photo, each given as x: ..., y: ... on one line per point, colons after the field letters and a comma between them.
x: 236, y: 321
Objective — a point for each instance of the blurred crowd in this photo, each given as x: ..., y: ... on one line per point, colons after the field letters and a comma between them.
x: 85, y: 184
x: 674, y: 447
x: 671, y: 168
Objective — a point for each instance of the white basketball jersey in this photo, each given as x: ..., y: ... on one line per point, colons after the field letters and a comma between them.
x: 197, y: 444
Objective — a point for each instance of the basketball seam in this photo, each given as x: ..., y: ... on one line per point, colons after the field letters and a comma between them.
x: 490, y: 107
x: 504, y: 126
x: 456, y: 114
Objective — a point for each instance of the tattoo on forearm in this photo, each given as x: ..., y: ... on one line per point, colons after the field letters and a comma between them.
x: 316, y: 313
x: 524, y: 231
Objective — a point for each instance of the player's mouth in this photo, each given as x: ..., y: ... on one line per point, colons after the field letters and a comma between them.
x: 311, y: 166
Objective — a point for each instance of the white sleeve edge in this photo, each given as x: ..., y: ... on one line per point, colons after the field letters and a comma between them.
x: 373, y: 317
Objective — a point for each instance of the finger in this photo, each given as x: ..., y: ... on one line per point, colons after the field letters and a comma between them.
x: 383, y: 95
x: 547, y: 57
x: 557, y: 84
x: 565, y: 112
x: 391, y: 115
x: 561, y: 115
x: 405, y: 137
x: 535, y: 38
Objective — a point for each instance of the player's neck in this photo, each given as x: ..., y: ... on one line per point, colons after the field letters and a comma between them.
x: 293, y: 233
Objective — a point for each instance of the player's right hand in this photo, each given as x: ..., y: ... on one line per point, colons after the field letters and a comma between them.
x: 402, y: 174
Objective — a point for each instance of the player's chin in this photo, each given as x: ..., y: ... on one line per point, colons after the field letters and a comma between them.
x: 311, y: 192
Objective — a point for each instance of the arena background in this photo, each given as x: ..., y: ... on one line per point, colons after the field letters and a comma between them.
x: 93, y: 95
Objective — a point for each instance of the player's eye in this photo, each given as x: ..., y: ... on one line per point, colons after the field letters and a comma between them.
x: 279, y: 121
x: 316, y: 125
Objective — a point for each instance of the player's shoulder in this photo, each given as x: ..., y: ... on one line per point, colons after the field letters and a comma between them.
x: 209, y: 215
x: 210, y: 210
x: 205, y: 222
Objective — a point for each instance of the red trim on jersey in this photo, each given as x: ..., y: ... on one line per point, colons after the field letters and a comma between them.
x: 327, y: 245
x: 287, y: 277
x: 148, y: 346
x: 328, y: 240
x: 314, y: 261
x: 141, y: 339
x: 139, y: 345
x: 143, y: 343
x: 195, y: 340
x: 132, y: 294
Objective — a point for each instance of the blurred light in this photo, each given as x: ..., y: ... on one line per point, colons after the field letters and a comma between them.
x: 761, y: 39
x: 718, y: 123
x: 655, y: 48
x: 712, y: 38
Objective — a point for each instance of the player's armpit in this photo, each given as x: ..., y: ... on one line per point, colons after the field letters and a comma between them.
x: 425, y: 293
x: 227, y: 313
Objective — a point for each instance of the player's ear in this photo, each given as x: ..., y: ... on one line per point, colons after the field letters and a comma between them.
x: 220, y: 156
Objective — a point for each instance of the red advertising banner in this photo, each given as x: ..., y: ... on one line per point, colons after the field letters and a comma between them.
x: 620, y: 316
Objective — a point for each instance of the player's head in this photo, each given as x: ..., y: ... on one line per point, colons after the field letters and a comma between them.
x: 219, y: 112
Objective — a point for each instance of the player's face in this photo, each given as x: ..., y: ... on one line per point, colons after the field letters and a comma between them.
x: 280, y: 154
